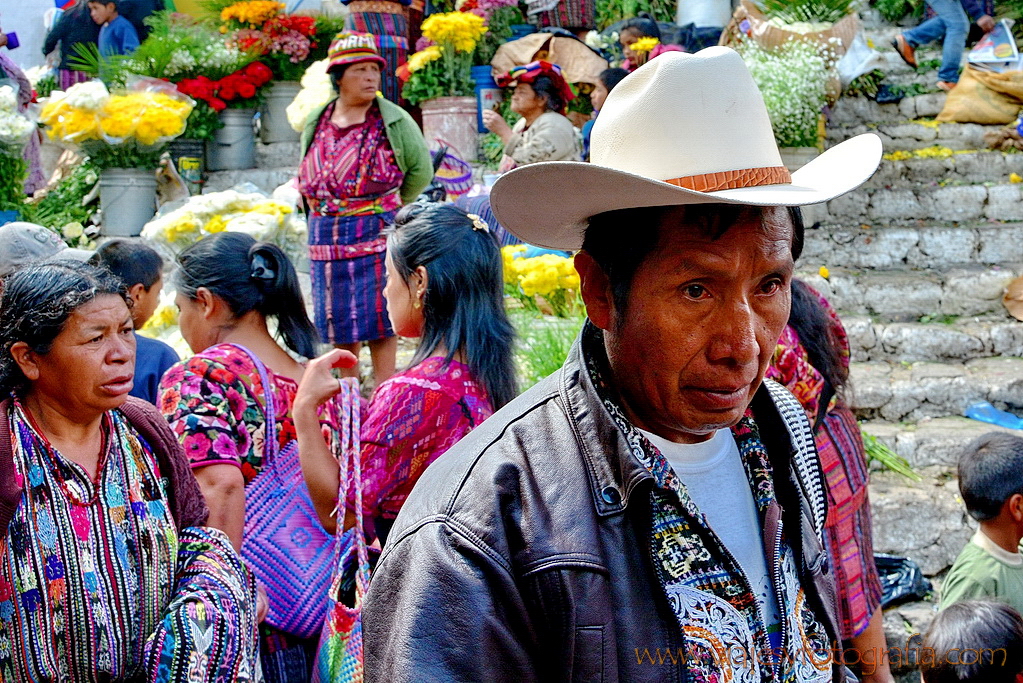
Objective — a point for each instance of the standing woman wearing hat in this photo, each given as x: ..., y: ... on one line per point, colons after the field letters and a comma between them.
x: 362, y: 158
x: 541, y: 96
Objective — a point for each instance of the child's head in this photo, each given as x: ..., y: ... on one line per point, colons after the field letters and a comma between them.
x: 991, y: 477
x: 140, y: 268
x: 608, y: 79
x: 973, y: 641
x: 641, y: 26
x: 103, y: 11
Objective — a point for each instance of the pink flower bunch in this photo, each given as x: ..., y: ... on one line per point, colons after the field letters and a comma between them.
x: 291, y: 43
x: 490, y: 6
x: 423, y: 43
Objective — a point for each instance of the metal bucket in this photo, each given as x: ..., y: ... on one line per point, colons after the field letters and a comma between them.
x: 189, y: 159
x: 452, y: 120
x: 273, y: 117
x: 234, y: 147
x: 127, y: 199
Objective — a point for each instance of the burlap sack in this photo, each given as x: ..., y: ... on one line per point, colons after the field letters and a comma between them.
x: 984, y: 97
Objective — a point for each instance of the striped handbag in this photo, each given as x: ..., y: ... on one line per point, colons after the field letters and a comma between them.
x: 340, y: 657
x: 284, y: 544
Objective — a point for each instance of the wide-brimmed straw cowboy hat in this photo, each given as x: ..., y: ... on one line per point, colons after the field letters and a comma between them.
x: 681, y: 129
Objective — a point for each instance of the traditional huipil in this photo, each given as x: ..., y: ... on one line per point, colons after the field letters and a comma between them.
x: 354, y: 179
x: 99, y: 582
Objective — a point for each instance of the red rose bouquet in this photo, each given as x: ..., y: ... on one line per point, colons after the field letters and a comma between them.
x: 239, y: 90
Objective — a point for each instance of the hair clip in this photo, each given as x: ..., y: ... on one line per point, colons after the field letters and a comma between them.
x: 260, y: 268
x: 477, y: 222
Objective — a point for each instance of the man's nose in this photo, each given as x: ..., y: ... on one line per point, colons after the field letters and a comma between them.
x: 736, y: 337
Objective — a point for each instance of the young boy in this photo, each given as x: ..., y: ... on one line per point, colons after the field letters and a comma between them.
x: 608, y: 79
x: 991, y: 484
x: 973, y: 642
x: 116, y: 34
x: 140, y: 269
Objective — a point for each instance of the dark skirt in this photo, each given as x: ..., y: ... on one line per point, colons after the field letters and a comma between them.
x: 348, y: 276
x: 391, y: 33
x: 571, y: 14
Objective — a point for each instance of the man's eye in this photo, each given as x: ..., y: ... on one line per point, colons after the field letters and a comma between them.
x: 771, y: 286
x: 695, y: 291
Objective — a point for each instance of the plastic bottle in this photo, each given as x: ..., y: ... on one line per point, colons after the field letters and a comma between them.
x: 985, y: 412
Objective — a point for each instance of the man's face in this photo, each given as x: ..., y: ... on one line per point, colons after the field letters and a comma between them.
x: 703, y: 319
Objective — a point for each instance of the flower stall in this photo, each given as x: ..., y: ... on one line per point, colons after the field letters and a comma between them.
x: 124, y: 134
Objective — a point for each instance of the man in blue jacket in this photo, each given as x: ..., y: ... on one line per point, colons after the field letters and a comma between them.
x: 953, y: 23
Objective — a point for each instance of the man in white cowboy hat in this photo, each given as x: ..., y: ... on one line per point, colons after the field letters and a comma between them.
x: 653, y: 510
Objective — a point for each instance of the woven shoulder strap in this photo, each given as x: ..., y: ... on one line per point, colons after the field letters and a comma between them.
x: 806, y: 464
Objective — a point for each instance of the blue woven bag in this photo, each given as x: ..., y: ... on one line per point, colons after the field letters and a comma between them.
x: 284, y: 544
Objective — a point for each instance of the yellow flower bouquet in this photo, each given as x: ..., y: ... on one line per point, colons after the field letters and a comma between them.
x: 127, y: 129
x: 548, y: 283
x: 443, y: 69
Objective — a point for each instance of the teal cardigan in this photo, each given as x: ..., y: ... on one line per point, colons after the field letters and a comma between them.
x: 405, y: 138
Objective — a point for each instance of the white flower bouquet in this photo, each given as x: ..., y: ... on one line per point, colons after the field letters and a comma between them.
x: 266, y: 219
x: 315, y: 93
x: 15, y: 128
x: 793, y: 79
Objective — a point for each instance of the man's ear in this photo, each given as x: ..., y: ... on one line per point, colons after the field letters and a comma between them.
x: 136, y: 291
x: 595, y: 289
x: 26, y: 359
x: 1015, y: 507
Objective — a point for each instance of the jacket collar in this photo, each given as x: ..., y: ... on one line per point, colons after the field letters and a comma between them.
x: 389, y: 112
x: 614, y: 470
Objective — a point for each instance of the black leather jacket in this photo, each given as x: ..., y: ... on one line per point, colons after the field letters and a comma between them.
x: 522, y: 555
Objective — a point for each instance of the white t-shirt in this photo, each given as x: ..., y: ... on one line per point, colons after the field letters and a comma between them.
x: 715, y: 478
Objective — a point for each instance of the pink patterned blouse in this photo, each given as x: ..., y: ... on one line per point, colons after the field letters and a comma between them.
x: 413, y: 418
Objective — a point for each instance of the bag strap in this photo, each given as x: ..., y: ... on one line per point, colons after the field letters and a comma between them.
x: 270, y: 446
x: 344, y: 412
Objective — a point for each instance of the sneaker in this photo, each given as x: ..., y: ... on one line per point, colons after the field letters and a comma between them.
x: 905, y: 50
x: 946, y: 85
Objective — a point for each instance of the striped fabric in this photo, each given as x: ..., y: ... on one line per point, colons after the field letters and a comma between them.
x: 391, y: 33
x: 571, y: 14
x: 348, y: 295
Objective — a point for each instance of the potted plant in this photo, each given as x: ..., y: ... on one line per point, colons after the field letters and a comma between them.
x: 124, y: 134
x: 438, y: 78
x: 14, y: 132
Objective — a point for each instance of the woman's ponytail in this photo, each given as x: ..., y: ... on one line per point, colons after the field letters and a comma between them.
x: 277, y: 280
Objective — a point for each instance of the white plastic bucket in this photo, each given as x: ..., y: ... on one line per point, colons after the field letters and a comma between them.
x: 127, y: 198
x: 273, y: 117
x: 234, y: 147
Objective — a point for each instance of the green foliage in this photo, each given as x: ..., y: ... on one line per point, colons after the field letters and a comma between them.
x: 894, y: 10
x: 887, y: 458
x: 130, y: 154
x: 499, y: 25
x: 202, y: 123
x: 88, y: 59
x: 581, y: 104
x: 866, y: 85
x: 543, y: 343
x: 910, y: 90
x: 326, y: 28
x: 924, y: 66
x: 65, y: 203
x: 795, y: 11
x: 46, y: 85
x: 611, y: 11
x: 13, y: 170
x: 445, y: 77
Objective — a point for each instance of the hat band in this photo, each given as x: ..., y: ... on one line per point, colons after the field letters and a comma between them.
x: 731, y: 180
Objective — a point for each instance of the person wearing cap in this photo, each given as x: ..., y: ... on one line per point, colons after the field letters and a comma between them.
x: 653, y: 511
x: 24, y: 243
x: 362, y: 158
x: 540, y: 96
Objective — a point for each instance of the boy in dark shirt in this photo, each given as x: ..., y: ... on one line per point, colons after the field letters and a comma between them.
x: 116, y: 34
x: 141, y: 270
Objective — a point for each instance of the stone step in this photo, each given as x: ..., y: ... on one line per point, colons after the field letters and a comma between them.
x: 932, y: 203
x: 916, y: 134
x: 266, y: 179
x: 934, y: 442
x: 963, y: 167
x: 925, y: 521
x: 849, y: 112
x: 905, y: 295
x: 883, y: 245
x: 898, y: 392
x: 956, y: 341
